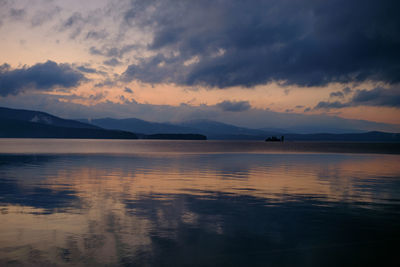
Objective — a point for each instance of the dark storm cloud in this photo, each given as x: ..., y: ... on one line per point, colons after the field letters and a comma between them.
x: 234, y: 106
x: 156, y: 69
x: 242, y: 43
x: 378, y: 97
x: 42, y: 76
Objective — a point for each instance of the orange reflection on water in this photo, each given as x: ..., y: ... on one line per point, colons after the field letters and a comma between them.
x: 333, y: 181
x: 116, y: 205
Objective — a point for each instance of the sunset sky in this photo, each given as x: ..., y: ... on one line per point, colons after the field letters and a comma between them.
x: 252, y: 63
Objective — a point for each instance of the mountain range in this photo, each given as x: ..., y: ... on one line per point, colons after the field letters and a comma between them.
x: 221, y: 131
x: 212, y: 129
x: 17, y: 123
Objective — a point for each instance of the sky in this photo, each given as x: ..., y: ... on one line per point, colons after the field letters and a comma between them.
x: 261, y: 63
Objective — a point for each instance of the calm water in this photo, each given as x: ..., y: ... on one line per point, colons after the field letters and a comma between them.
x: 162, y: 203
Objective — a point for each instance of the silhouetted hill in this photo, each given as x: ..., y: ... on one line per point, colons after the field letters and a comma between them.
x: 36, y: 124
x: 214, y: 128
x: 139, y: 126
x: 41, y: 117
x: 27, y: 129
x: 16, y: 123
x: 221, y: 131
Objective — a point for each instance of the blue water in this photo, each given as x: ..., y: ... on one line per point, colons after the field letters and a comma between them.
x: 161, y: 203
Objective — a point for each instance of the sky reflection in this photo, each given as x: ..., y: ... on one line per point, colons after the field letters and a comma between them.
x: 204, y: 209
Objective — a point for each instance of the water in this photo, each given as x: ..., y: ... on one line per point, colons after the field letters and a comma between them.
x: 162, y: 203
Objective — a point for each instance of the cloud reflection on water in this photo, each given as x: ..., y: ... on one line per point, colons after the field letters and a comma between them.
x: 205, y: 209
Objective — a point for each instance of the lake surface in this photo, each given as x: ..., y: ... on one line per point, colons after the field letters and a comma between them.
x: 198, y: 203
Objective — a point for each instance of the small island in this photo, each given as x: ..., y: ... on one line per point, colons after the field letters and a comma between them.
x: 275, y: 139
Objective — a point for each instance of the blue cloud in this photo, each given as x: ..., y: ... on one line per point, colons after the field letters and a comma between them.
x: 86, y: 69
x: 330, y: 105
x: 42, y: 76
x: 338, y: 94
x: 112, y: 62
x: 241, y: 43
x: 378, y: 97
x: 128, y: 90
x: 234, y: 106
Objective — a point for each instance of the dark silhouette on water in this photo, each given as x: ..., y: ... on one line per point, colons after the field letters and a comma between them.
x: 275, y: 139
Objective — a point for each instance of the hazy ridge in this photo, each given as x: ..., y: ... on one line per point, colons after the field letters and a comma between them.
x: 35, y: 124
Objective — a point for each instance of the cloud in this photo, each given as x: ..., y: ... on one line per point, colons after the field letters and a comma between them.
x: 341, y: 94
x: 86, y: 69
x: 347, y: 90
x: 17, y: 14
x: 156, y: 69
x: 338, y: 94
x: 44, y: 15
x: 378, y: 97
x: 128, y: 90
x: 329, y: 105
x: 239, y: 43
x: 97, y: 96
x: 73, y: 20
x: 97, y: 35
x: 94, y: 51
x: 112, y: 62
x: 113, y: 51
x: 78, y: 22
x: 41, y: 76
x: 106, y: 83
x: 234, y: 106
